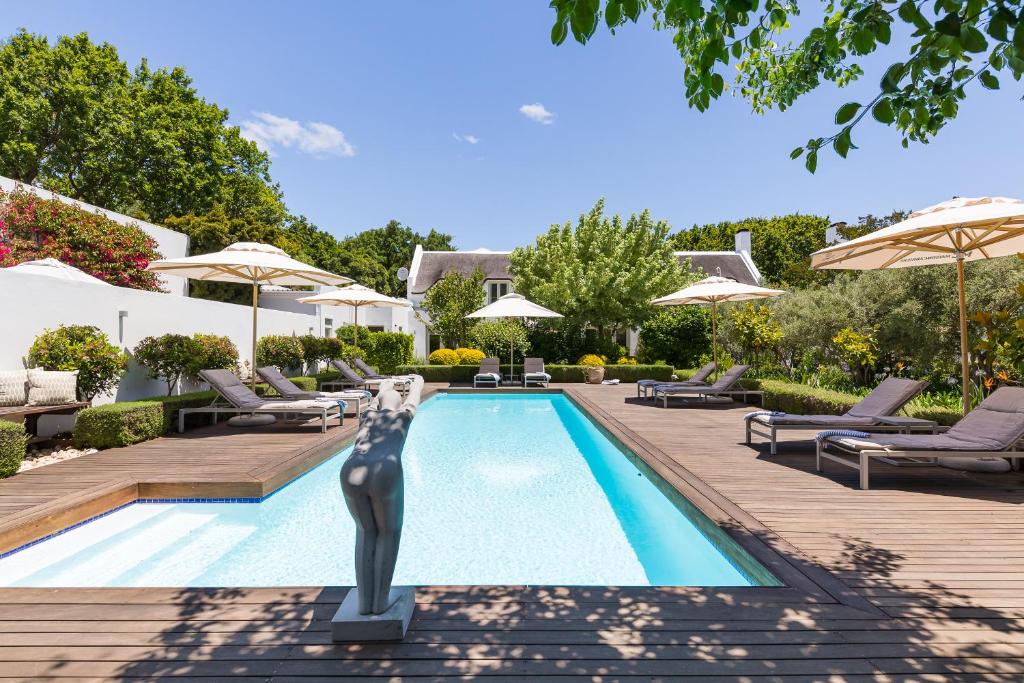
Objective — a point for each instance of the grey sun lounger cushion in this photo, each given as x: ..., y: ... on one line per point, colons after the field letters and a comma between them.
x: 289, y: 391
x: 886, y: 399
x: 352, y: 377
x: 490, y: 371
x: 368, y: 372
x: 995, y: 425
x: 724, y: 383
x: 699, y: 377
x: 533, y: 371
x: 240, y: 396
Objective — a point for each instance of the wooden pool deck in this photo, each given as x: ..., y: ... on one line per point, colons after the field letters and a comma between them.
x: 918, y: 579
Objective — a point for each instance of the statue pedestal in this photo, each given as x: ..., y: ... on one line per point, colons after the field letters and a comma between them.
x: 349, y: 626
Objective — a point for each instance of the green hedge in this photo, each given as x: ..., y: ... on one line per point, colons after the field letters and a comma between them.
x: 13, y: 441
x: 463, y: 374
x: 122, y: 424
x: 800, y: 399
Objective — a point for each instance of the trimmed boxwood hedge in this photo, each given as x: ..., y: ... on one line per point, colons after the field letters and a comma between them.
x: 13, y: 441
x: 463, y: 374
x: 800, y: 399
x: 121, y: 424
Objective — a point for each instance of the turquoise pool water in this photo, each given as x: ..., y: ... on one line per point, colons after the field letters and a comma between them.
x: 500, y: 489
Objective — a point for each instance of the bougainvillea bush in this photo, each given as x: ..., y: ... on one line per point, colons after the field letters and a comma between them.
x: 34, y: 228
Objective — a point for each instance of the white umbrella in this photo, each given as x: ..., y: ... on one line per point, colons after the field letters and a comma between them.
x: 51, y: 267
x: 513, y: 305
x: 960, y: 230
x: 712, y: 290
x: 355, y: 296
x: 250, y: 263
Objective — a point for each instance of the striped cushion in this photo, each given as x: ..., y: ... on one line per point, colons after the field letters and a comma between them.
x: 13, y: 387
x: 51, y: 387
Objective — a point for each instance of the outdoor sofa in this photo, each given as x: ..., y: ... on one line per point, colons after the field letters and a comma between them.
x: 876, y: 412
x: 489, y: 374
x: 533, y: 372
x: 993, y: 429
x: 235, y: 398
x: 289, y: 391
x: 727, y: 385
x: 644, y: 386
x: 349, y: 378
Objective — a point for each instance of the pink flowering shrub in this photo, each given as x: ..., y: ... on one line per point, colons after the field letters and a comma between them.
x: 34, y: 228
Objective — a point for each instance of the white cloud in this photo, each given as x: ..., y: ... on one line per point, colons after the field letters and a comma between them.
x: 269, y: 131
x: 537, y: 112
x: 466, y: 137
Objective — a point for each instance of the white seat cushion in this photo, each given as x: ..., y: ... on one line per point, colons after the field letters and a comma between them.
x: 13, y: 387
x: 51, y: 387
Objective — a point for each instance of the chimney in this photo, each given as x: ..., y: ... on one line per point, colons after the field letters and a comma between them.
x: 832, y: 235
x: 743, y: 242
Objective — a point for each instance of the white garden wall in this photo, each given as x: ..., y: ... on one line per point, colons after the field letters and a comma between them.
x: 31, y: 303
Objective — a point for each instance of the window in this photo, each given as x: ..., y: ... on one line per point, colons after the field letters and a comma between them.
x: 328, y: 327
x: 375, y: 328
x: 496, y: 290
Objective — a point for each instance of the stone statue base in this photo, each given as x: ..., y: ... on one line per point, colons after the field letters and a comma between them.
x: 349, y: 626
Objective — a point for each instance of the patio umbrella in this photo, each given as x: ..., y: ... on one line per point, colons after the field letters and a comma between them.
x: 51, y: 267
x: 960, y: 230
x: 712, y: 290
x: 355, y: 296
x: 249, y: 263
x: 513, y: 305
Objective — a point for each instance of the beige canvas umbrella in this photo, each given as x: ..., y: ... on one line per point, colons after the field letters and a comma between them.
x: 355, y: 296
x: 714, y: 290
x: 248, y: 263
x: 957, y: 231
x: 51, y: 267
x: 513, y: 305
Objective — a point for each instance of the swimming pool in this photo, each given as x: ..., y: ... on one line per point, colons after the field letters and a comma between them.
x: 516, y: 489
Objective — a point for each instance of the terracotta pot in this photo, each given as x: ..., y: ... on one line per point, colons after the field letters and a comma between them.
x: 594, y: 374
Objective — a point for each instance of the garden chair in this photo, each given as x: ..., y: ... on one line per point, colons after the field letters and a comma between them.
x: 644, y: 386
x: 533, y: 372
x: 874, y: 412
x: 289, y: 391
x: 236, y: 398
x: 727, y: 385
x: 489, y: 374
x: 992, y: 430
x: 352, y: 379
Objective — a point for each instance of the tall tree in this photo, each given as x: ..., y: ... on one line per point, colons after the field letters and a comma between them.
x: 392, y: 246
x: 325, y: 251
x: 956, y: 45
x: 602, y: 273
x: 449, y: 301
x: 781, y: 246
x: 76, y: 120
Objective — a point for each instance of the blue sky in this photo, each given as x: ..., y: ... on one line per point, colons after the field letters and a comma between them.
x: 423, y: 106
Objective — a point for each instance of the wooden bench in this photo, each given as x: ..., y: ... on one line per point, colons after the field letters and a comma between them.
x: 30, y: 414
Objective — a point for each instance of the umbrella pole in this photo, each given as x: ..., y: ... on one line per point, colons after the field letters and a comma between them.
x: 965, y: 370
x: 255, y: 307
x: 355, y: 322
x: 714, y: 335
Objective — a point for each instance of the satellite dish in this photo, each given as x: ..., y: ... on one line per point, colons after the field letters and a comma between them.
x: 403, y: 274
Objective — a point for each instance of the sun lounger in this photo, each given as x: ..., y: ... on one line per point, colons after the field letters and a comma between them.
x: 875, y: 412
x: 727, y: 385
x: 368, y: 372
x: 236, y: 398
x: 352, y: 379
x: 992, y: 430
x: 644, y: 386
x: 533, y: 372
x: 290, y: 392
x: 490, y: 373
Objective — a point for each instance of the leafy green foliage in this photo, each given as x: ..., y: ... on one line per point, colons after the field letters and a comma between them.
x: 470, y: 356
x: 75, y: 119
x: 602, y: 273
x: 34, y: 228
x: 679, y: 336
x: 214, y: 352
x: 449, y: 301
x: 781, y: 246
x: 496, y: 337
x: 592, y: 360
x: 999, y: 345
x: 316, y: 349
x: 756, y: 332
x: 168, y: 357
x: 387, y: 350
x: 463, y: 374
x: 279, y: 350
x: 119, y: 424
x: 392, y: 247
x: 85, y: 348
x: 444, y: 357
x: 859, y: 351
x: 13, y: 442
x: 955, y: 43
